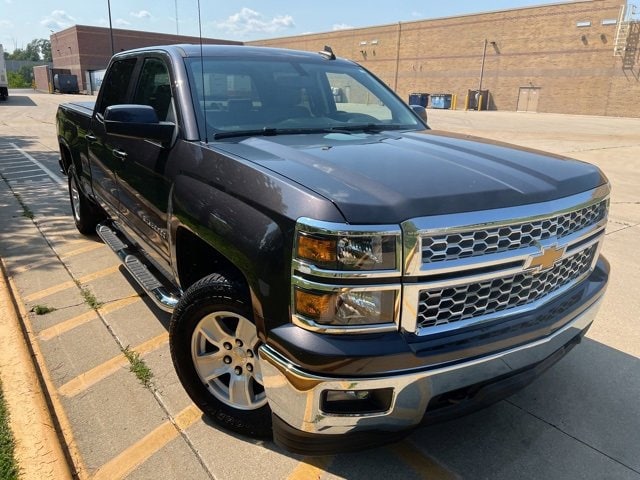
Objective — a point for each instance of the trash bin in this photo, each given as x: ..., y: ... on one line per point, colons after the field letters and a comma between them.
x: 474, y: 97
x: 441, y: 100
x: 419, y: 99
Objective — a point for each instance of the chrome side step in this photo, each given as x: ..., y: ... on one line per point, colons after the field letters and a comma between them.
x: 144, y: 274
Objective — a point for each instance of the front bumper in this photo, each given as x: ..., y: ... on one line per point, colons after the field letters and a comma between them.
x: 296, y: 397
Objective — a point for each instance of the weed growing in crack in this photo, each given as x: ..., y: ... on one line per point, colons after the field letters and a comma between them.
x: 138, y: 367
x: 90, y: 299
x: 42, y: 309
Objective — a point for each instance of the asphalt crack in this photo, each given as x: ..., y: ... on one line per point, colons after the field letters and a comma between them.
x: 573, y: 437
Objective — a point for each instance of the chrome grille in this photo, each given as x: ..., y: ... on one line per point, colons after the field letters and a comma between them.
x: 471, y: 243
x: 453, y: 304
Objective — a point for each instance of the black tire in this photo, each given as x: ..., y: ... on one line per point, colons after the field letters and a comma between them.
x: 86, y: 214
x: 220, y: 370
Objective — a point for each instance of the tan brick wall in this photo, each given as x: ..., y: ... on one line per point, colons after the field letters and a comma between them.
x: 573, y: 66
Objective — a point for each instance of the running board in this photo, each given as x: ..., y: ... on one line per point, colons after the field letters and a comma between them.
x: 145, y: 275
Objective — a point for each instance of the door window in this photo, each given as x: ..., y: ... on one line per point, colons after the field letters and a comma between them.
x: 115, y: 86
x: 154, y: 89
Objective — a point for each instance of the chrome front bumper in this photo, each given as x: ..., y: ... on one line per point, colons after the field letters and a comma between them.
x: 295, y: 396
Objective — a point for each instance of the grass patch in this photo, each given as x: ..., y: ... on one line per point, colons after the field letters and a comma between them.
x: 90, y: 299
x: 8, y: 466
x: 138, y: 367
x: 42, y: 309
x: 26, y: 211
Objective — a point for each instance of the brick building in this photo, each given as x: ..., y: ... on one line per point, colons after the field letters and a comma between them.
x: 552, y: 58
x: 81, y: 49
x: 578, y: 57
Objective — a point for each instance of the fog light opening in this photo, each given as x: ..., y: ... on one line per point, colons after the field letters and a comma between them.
x: 356, y: 402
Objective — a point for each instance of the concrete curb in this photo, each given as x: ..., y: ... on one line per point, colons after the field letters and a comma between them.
x: 39, y: 448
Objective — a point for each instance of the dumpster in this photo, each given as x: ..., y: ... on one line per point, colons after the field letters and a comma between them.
x: 419, y: 99
x: 441, y: 100
x: 64, y: 83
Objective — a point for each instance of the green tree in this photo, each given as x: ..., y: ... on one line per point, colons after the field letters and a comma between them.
x: 36, y: 50
x: 20, y: 79
x: 45, y: 49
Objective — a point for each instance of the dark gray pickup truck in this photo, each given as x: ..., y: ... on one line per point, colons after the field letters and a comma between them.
x: 338, y: 272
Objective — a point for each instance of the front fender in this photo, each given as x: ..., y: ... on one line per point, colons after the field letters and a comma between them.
x: 248, y: 216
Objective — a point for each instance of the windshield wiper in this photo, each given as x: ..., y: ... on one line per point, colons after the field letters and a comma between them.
x: 266, y: 131
x: 271, y: 131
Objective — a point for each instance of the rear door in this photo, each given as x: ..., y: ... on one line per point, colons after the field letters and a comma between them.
x: 103, y: 149
x: 143, y: 187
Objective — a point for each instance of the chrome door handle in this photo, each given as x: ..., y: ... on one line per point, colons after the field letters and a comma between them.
x: 90, y: 138
x: 120, y: 154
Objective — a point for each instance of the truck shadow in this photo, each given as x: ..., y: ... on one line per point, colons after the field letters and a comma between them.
x: 584, y: 409
x: 581, y: 419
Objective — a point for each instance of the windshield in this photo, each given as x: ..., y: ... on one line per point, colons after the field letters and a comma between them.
x: 244, y: 96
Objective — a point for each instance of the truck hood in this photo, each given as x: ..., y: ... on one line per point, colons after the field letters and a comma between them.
x: 390, y: 177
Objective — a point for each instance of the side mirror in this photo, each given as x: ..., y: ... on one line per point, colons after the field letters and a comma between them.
x: 420, y: 111
x: 137, y: 121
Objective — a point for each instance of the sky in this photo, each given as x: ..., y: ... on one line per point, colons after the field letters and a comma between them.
x: 24, y: 20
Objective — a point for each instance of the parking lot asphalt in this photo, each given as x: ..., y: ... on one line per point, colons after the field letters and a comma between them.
x: 581, y: 419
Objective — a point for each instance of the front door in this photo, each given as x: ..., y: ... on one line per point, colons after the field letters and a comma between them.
x: 102, y: 150
x: 143, y: 187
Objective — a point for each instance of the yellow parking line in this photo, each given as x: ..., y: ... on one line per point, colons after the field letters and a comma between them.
x: 70, y: 283
x: 311, y: 468
x: 424, y: 466
x: 99, y: 274
x: 59, y: 329
x: 143, y: 449
x: 32, y: 265
x: 49, y: 291
x: 67, y: 325
x: 45, y: 261
x: 102, y: 371
x: 79, y: 251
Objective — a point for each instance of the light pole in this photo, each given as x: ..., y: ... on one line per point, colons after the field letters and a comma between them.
x: 177, y: 28
x: 484, y: 55
x: 111, y: 28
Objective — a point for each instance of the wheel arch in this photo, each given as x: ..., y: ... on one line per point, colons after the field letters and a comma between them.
x: 66, y: 159
x: 195, y: 259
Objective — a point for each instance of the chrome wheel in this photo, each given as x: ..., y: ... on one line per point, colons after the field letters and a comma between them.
x: 224, y: 353
x: 75, y: 198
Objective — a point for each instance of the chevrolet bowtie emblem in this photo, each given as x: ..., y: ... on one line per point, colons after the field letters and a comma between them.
x: 546, y: 259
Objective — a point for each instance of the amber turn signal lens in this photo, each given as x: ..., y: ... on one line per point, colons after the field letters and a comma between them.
x: 316, y: 249
x: 312, y: 305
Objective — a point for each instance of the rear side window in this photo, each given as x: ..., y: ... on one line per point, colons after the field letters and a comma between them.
x: 116, y: 83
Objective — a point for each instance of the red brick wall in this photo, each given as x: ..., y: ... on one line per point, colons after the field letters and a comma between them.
x: 41, y: 77
x: 82, y: 48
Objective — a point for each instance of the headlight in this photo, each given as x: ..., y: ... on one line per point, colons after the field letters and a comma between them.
x: 346, y: 278
x: 368, y: 249
x: 347, y: 306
